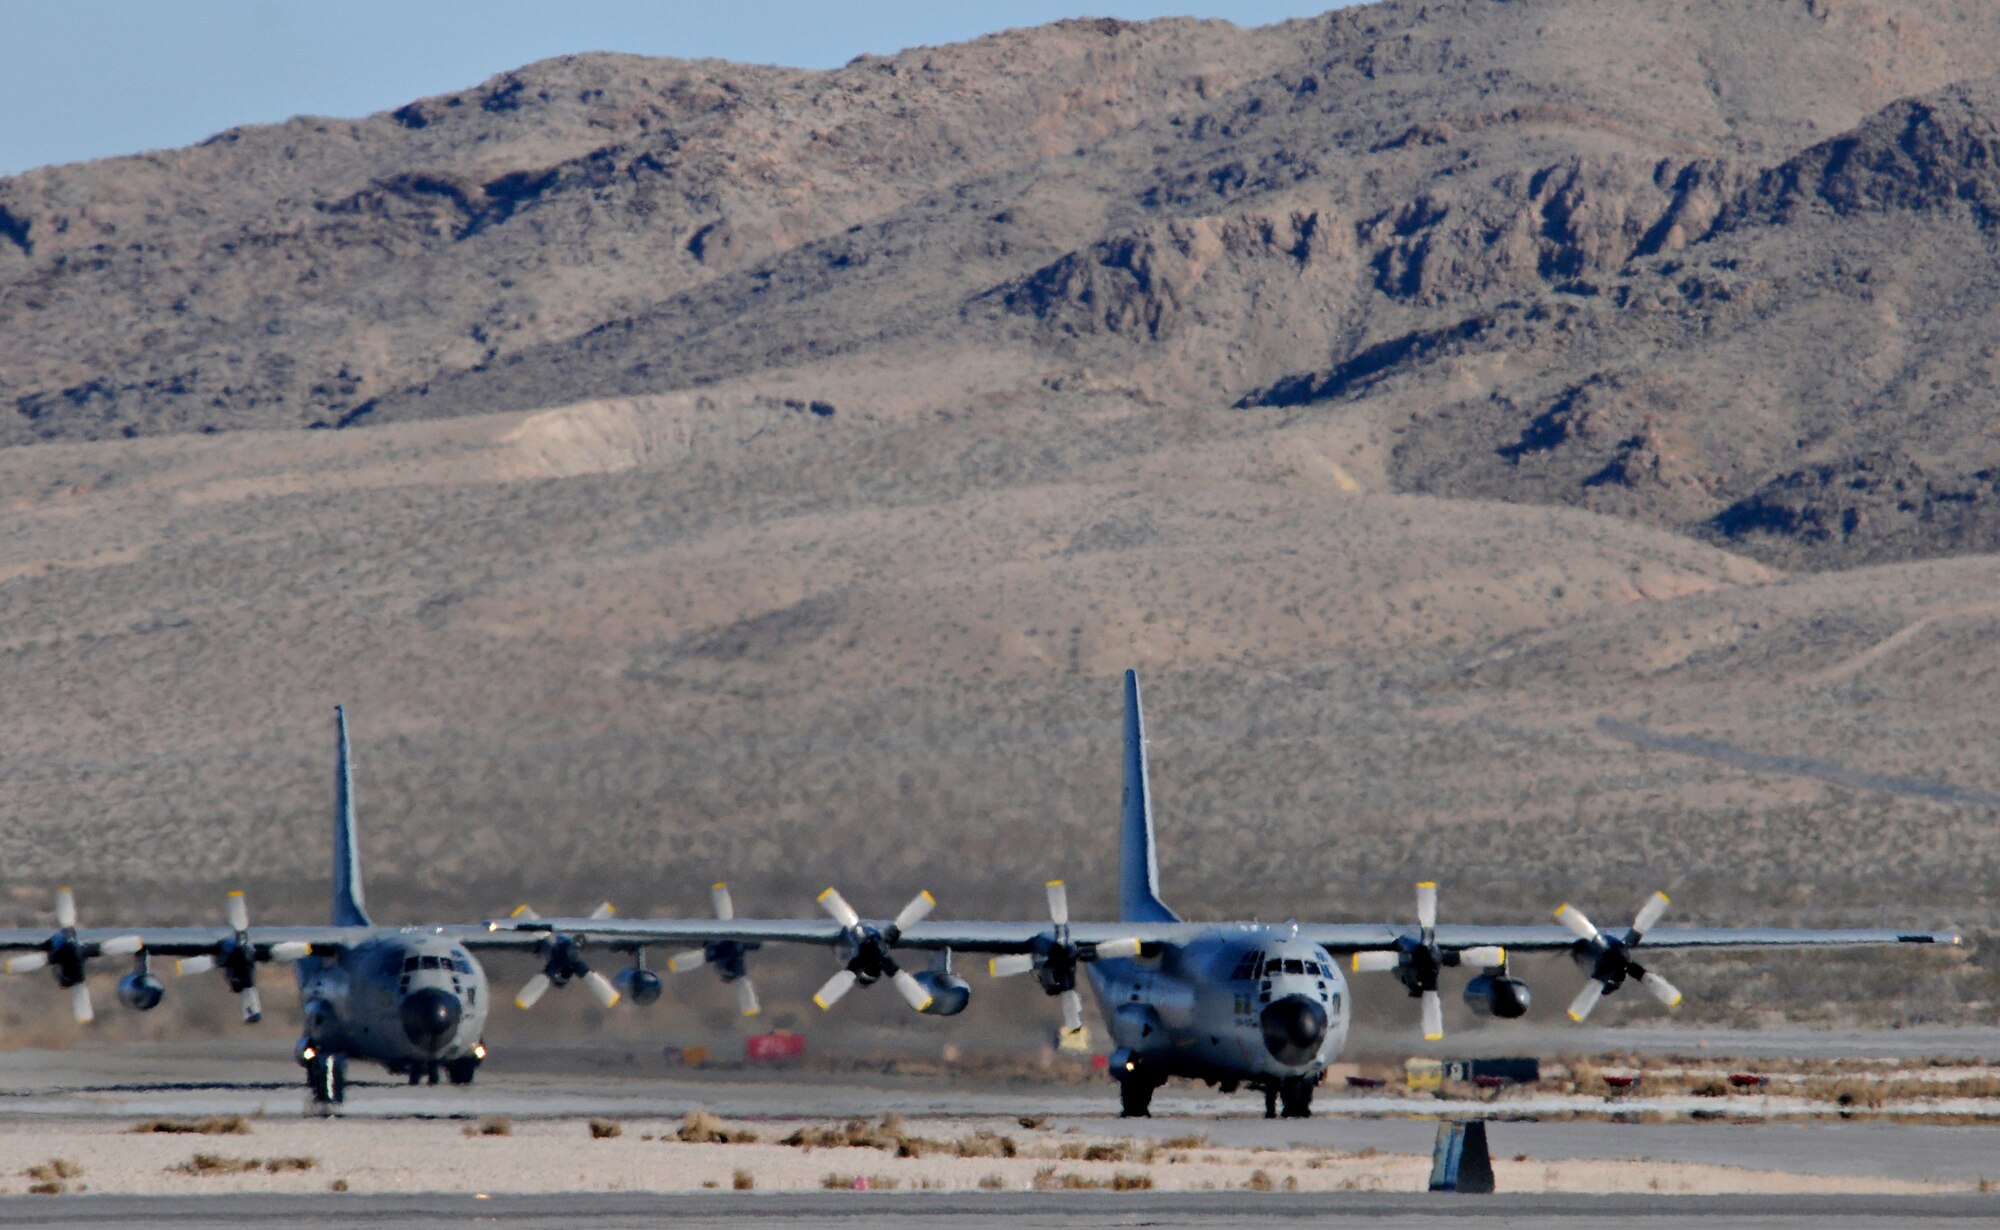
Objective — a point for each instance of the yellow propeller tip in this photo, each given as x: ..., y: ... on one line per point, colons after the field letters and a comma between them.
x: 1575, y: 1017
x: 720, y: 884
x: 519, y: 910
x: 928, y: 1001
x: 1562, y: 909
x: 928, y: 899
x: 1053, y: 884
x: 828, y: 893
x: 236, y: 892
x: 1664, y: 899
x: 520, y: 1003
x: 823, y: 1005
x: 614, y: 1001
x: 1433, y: 1037
x: 754, y: 1012
x: 1427, y: 883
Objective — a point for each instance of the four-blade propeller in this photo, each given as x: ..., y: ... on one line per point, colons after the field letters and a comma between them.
x: 565, y: 962
x: 727, y: 956
x: 1417, y: 960
x: 65, y: 954
x: 237, y: 958
x: 1055, y: 957
x: 865, y: 951
x: 1610, y: 957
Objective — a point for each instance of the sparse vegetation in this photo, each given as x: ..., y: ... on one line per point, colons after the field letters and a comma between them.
x: 213, y: 1125
x: 606, y: 1129
x: 699, y: 1127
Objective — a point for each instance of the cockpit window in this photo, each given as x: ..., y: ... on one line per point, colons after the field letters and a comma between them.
x: 1295, y: 967
x: 409, y: 963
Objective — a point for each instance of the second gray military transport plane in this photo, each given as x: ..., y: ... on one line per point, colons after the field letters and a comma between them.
x: 413, y: 999
x: 1234, y: 1004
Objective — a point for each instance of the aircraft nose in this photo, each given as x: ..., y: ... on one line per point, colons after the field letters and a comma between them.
x: 430, y: 1017
x: 1294, y: 1027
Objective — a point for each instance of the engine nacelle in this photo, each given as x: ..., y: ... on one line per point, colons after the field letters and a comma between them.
x: 949, y: 993
x: 1495, y: 995
x: 141, y: 992
x: 641, y: 986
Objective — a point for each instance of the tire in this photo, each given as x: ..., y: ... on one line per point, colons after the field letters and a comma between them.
x: 326, y: 1077
x: 1135, y: 1097
x: 461, y: 1071
x: 1297, y: 1096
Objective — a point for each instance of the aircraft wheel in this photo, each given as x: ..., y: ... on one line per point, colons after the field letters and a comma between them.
x: 1135, y: 1096
x: 1297, y: 1096
x: 326, y: 1076
x: 461, y: 1071
x: 1270, y: 1102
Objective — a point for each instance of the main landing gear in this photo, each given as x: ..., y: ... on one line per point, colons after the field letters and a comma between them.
x: 1294, y: 1094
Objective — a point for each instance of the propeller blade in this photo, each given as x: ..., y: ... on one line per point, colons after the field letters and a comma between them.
x: 1376, y: 962
x: 1649, y: 914
x: 1586, y: 999
x: 27, y: 962
x: 919, y: 908
x: 1433, y: 1016
x: 536, y: 987
x: 1072, y: 1010
x: 682, y: 962
x: 1427, y: 904
x: 1112, y: 950
x: 603, y: 911
x: 1058, y: 903
x: 290, y: 950
x: 120, y: 946
x: 66, y: 914
x: 913, y: 991
x: 526, y: 913
x: 239, y: 911
x: 253, y: 1006
x: 1490, y: 956
x: 838, y: 985
x: 1664, y: 991
x: 601, y: 988
x: 79, y: 1004
x: 194, y: 965
x: 746, y: 998
x: 718, y: 892
x: 836, y: 905
x: 1011, y: 964
x: 1573, y: 918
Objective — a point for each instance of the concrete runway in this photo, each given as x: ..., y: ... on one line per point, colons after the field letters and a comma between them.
x: 143, y: 1082
x: 1068, y: 1210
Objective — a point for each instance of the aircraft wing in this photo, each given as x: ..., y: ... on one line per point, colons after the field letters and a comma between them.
x: 1356, y: 937
x: 998, y: 937
x: 196, y: 941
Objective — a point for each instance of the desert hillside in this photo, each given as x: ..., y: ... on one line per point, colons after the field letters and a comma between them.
x: 767, y: 473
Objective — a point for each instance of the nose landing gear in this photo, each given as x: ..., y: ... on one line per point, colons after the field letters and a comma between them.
x: 326, y: 1077
x: 1294, y: 1094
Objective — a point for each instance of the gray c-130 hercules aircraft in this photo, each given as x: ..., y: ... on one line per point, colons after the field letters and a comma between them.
x: 413, y: 999
x: 1235, y: 1004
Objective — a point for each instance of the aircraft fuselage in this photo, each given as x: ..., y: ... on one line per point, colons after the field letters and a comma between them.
x: 1245, y: 1005
x: 408, y: 1000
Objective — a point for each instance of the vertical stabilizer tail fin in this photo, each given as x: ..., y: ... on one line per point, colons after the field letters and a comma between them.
x: 1138, y: 870
x: 350, y: 909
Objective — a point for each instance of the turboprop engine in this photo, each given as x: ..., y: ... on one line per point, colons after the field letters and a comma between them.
x: 1493, y: 994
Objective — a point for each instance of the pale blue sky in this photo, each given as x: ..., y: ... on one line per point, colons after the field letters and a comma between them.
x: 87, y: 78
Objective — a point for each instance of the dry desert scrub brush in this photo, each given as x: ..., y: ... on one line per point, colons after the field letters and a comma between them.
x: 700, y: 1127
x: 213, y: 1125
